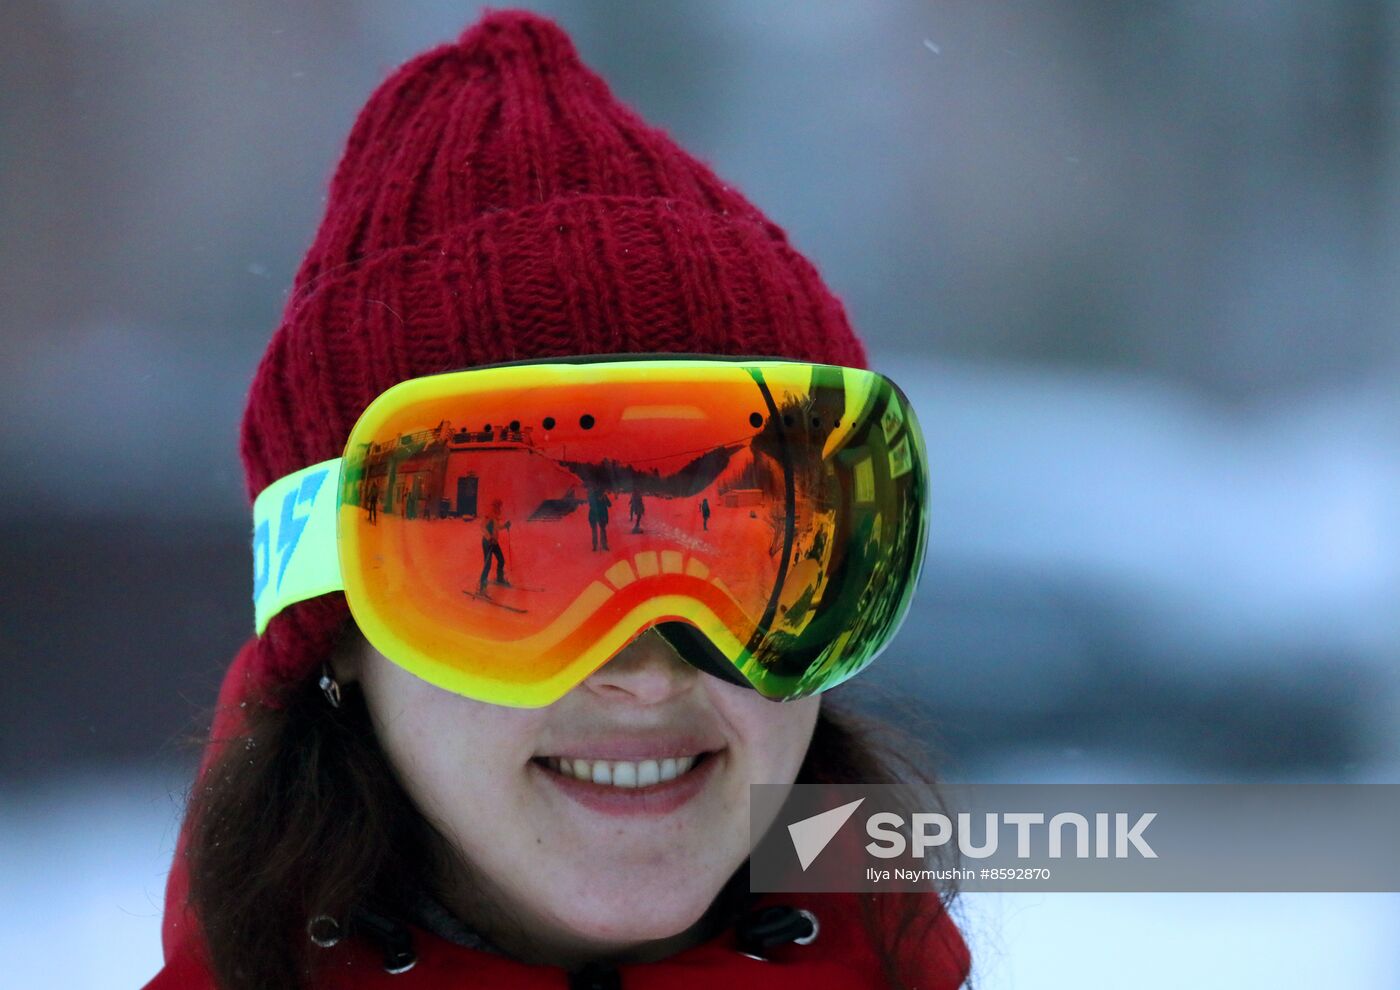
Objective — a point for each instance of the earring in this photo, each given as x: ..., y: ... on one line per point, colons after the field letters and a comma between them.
x: 329, y: 686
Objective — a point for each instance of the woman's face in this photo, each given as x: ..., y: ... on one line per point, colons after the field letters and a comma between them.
x: 634, y: 852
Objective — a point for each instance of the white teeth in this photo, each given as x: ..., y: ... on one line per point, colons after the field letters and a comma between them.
x: 622, y: 773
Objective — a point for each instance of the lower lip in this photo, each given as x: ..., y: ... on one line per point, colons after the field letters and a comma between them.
x: 655, y: 799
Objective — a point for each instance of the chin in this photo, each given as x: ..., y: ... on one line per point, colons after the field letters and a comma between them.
x: 627, y: 913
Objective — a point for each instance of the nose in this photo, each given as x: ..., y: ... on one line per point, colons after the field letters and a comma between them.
x: 647, y: 671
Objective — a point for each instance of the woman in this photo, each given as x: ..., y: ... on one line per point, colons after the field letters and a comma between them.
x: 363, y: 819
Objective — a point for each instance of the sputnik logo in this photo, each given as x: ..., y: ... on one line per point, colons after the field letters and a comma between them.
x: 811, y: 835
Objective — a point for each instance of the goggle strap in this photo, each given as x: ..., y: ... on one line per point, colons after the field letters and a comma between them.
x: 294, y: 540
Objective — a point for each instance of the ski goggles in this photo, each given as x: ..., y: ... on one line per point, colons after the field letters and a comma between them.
x: 502, y: 532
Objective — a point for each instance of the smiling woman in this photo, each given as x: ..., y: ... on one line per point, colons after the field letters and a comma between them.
x: 421, y: 775
x: 569, y: 861
x: 417, y: 832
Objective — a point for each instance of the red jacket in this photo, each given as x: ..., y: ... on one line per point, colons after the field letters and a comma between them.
x: 841, y: 956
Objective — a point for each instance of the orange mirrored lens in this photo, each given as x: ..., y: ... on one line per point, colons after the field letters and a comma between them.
x: 505, y: 531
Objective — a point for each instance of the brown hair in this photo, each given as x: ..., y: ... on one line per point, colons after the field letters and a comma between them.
x: 302, y: 816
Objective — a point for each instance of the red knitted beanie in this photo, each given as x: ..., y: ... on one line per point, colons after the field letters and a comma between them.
x: 495, y: 201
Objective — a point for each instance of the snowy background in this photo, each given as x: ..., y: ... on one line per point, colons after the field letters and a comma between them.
x: 1135, y: 263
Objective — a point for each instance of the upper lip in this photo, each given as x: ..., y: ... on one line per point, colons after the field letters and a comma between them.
x: 636, y: 746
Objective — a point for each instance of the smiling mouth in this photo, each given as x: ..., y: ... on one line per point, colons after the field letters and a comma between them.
x: 630, y: 774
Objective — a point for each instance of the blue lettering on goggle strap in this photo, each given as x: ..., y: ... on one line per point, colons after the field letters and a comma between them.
x: 290, y: 527
x: 262, y: 557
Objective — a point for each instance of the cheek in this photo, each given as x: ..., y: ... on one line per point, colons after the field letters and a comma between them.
x: 460, y: 760
x: 774, y: 735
